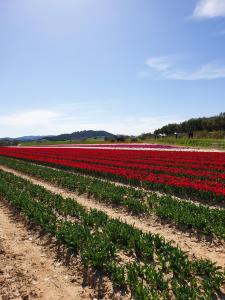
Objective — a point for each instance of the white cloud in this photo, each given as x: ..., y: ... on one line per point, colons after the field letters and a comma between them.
x: 29, y: 118
x: 167, y: 71
x: 209, y: 9
x: 158, y: 63
x: 205, y: 72
x: 46, y: 122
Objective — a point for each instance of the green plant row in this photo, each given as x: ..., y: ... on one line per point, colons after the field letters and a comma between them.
x: 154, y: 269
x: 191, y: 216
x: 101, y: 190
x: 208, y: 197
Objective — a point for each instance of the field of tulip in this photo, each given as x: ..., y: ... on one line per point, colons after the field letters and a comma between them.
x: 139, y: 264
x: 143, y: 265
x: 189, y: 174
x: 141, y: 203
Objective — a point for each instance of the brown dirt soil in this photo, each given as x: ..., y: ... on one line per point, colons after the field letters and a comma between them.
x: 195, y: 246
x: 32, y: 266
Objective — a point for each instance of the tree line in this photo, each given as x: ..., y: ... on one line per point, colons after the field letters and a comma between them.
x: 215, y: 123
x: 6, y: 142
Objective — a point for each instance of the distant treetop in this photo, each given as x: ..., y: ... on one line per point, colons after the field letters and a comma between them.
x: 215, y: 123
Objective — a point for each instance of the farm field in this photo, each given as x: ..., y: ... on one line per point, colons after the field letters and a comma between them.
x: 207, y: 144
x: 112, y: 150
x: 149, y: 221
x: 116, y: 146
x: 196, y: 174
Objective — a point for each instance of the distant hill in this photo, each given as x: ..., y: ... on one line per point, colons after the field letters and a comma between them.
x: 30, y: 138
x: 215, y: 123
x: 25, y: 138
x: 78, y: 135
x: 81, y: 135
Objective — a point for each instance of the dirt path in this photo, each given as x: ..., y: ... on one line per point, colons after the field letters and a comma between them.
x: 195, y: 247
x: 26, y: 269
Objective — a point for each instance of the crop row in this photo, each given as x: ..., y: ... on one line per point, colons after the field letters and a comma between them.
x: 126, y: 145
x: 153, y: 268
x: 204, y: 219
x: 181, y: 173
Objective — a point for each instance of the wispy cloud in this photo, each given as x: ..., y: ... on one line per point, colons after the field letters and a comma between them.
x: 29, y: 118
x: 45, y: 122
x: 166, y: 70
x: 209, y: 9
x: 158, y: 63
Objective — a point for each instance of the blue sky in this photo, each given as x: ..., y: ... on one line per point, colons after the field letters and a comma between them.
x: 126, y: 66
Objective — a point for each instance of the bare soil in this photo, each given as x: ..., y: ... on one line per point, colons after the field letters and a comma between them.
x: 196, y: 246
x: 34, y: 266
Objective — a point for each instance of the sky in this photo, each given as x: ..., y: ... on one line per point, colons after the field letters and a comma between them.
x: 127, y: 67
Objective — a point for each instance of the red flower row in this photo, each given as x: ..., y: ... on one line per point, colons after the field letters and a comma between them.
x: 191, y: 171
